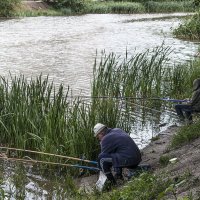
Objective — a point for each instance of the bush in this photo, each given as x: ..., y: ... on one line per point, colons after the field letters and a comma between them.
x: 169, y: 6
x: 7, y: 7
x: 75, y: 5
x: 196, y: 3
x: 190, y: 29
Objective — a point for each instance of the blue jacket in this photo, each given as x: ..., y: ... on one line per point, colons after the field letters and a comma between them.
x: 121, y: 147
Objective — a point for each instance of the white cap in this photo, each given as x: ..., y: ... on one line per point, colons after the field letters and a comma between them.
x: 98, y: 128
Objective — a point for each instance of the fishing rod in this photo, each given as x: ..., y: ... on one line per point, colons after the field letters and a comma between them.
x: 175, y: 100
x: 50, y: 154
x: 51, y: 163
x: 129, y: 97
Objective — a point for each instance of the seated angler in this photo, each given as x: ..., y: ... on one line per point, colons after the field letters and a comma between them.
x: 192, y: 106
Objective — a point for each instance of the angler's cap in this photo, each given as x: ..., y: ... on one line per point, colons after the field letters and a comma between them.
x: 98, y: 128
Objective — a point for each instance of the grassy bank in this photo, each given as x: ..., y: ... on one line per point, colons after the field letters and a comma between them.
x: 185, y: 135
x: 148, y: 186
x: 114, y: 7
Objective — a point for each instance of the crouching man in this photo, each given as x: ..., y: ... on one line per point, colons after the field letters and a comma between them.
x: 118, y: 150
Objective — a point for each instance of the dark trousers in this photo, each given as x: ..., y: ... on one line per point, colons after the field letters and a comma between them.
x: 105, y: 164
x: 180, y: 108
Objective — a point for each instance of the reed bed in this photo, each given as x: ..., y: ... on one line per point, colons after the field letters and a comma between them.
x: 37, y: 116
x: 189, y: 29
x: 142, y: 77
x: 42, y: 12
x: 136, y: 76
x: 114, y: 7
x: 169, y: 6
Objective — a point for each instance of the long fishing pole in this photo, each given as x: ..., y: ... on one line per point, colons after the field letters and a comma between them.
x: 50, y: 154
x: 129, y: 97
x: 51, y: 163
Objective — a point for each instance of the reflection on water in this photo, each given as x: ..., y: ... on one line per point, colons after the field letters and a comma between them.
x: 65, y: 48
x: 20, y: 181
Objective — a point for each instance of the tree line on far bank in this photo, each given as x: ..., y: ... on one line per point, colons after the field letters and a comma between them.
x: 10, y: 8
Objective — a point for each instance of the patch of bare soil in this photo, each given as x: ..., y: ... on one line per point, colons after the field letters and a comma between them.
x: 188, y: 162
x: 34, y: 5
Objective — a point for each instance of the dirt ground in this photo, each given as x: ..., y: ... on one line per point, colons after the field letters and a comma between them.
x: 34, y: 5
x: 188, y: 162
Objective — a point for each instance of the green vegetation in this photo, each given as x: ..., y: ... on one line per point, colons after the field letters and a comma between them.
x: 147, y: 186
x: 7, y: 7
x: 75, y: 5
x: 164, y: 160
x: 131, y: 6
x: 169, y: 6
x: 185, y: 135
x: 36, y: 115
x: 190, y: 29
x: 71, y: 7
x: 42, y: 12
x: 114, y: 7
x: 144, y: 75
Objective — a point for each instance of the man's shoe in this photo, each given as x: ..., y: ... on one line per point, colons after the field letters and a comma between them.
x: 181, y: 118
x: 118, y: 177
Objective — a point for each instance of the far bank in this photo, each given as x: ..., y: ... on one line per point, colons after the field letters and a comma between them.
x: 65, y: 8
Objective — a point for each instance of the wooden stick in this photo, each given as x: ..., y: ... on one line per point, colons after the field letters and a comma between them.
x: 52, y: 163
x: 50, y: 154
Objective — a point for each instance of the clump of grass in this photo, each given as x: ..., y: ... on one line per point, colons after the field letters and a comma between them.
x: 164, y: 160
x: 141, y: 74
x: 169, y: 6
x: 146, y: 186
x: 185, y: 135
x: 114, y: 7
x: 155, y: 138
x: 189, y: 29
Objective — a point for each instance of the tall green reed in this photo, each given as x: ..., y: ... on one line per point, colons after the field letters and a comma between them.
x: 36, y: 115
x: 114, y: 7
x: 169, y: 6
x: 139, y: 78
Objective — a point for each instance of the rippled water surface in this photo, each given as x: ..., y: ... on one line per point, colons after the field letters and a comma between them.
x: 65, y: 47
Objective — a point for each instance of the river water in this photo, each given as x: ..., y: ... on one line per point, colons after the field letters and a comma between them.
x: 65, y: 48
